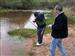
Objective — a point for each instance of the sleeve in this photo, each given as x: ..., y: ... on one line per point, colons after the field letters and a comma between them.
x: 58, y: 25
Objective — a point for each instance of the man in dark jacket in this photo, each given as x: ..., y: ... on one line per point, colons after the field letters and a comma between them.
x: 59, y: 31
x: 40, y: 21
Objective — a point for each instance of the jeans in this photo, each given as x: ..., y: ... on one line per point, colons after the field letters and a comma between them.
x: 40, y: 32
x: 57, y: 43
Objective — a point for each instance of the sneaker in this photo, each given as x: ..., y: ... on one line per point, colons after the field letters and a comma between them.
x: 38, y: 44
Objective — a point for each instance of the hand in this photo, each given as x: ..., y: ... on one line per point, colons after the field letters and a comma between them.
x: 33, y: 21
x: 50, y: 25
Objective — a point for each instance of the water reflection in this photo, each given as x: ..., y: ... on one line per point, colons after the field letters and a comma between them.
x: 9, y: 43
x: 30, y: 24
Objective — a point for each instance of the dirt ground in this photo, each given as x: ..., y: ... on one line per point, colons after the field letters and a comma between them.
x: 28, y: 47
x: 69, y: 44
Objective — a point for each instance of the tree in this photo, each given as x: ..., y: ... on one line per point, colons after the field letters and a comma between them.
x: 26, y: 4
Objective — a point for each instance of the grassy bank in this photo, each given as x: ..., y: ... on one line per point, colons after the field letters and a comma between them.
x: 23, y: 32
x: 27, y: 33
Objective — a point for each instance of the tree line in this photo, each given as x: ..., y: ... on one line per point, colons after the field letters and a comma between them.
x: 32, y: 4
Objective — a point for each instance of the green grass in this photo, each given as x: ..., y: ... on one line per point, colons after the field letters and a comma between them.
x: 23, y: 32
x: 50, y: 19
x: 71, y: 21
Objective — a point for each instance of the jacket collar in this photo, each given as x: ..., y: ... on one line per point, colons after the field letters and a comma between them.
x: 59, y: 14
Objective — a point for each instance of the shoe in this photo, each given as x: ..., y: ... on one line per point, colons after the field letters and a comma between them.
x: 38, y: 44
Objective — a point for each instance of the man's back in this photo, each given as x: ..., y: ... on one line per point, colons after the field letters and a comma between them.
x: 40, y: 20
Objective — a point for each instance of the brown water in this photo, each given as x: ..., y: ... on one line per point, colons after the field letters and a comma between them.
x: 12, y: 46
x: 9, y: 45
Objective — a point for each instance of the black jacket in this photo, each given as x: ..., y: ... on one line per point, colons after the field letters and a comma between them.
x: 40, y: 20
x: 60, y: 27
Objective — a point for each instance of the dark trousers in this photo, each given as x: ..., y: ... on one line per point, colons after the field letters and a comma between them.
x: 40, y: 32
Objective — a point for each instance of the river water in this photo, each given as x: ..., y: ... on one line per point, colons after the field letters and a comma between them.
x: 12, y: 46
x: 9, y: 45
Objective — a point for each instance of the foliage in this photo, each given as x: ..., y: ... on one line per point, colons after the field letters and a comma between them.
x: 23, y: 32
x: 70, y: 14
x: 30, y: 4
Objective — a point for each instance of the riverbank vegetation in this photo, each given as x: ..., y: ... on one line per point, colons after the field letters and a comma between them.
x: 50, y: 19
x: 33, y: 4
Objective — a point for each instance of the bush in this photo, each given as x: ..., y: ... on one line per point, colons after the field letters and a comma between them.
x: 71, y: 15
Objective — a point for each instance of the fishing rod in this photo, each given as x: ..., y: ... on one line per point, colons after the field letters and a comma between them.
x: 33, y: 24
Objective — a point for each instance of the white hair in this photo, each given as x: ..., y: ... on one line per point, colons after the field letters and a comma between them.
x: 59, y: 7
